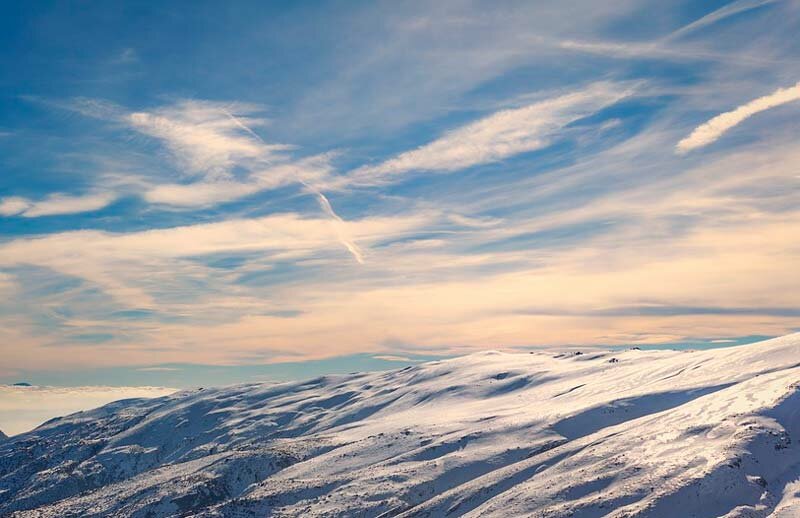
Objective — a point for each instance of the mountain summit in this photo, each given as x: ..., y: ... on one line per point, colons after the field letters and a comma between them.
x: 633, y: 433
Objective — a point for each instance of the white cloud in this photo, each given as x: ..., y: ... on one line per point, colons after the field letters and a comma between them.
x: 127, y: 265
x: 720, y: 14
x: 61, y: 204
x: 24, y: 408
x: 338, y: 223
x: 713, y: 129
x: 204, y: 138
x: 395, y: 358
x: 223, y: 155
x: 217, y: 156
x: 55, y: 204
x: 200, y: 194
x: 472, y: 222
x: 13, y: 205
x: 500, y: 135
x: 650, y: 50
x: 669, y: 46
x: 206, y: 193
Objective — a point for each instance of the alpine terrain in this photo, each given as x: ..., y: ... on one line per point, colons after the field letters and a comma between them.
x: 550, y: 434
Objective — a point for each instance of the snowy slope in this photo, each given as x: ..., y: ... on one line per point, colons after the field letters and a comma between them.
x: 634, y: 433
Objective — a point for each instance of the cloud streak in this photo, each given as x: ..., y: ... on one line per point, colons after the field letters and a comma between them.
x: 207, y: 193
x: 55, y: 205
x: 239, y: 248
x: 131, y: 266
x: 720, y: 14
x: 713, y: 129
x: 324, y: 203
x: 498, y: 136
x: 204, y: 139
x: 217, y: 157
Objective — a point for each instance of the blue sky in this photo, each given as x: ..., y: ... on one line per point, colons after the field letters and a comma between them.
x: 203, y: 187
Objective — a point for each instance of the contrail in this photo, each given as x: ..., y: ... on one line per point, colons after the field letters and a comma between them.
x: 241, y: 125
x: 338, y: 224
x: 735, y: 7
x: 324, y: 203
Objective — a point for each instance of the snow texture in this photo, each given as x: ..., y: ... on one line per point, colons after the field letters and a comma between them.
x: 622, y: 434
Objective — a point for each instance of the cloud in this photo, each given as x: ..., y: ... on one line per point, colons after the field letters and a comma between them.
x: 680, y: 234
x: 662, y: 310
x: 13, y: 205
x: 55, y: 204
x: 199, y: 194
x: 474, y: 222
x: 415, y: 63
x: 594, y: 220
x: 217, y: 156
x: 205, y: 193
x: 203, y: 138
x: 395, y: 358
x: 720, y: 14
x: 209, y: 141
x: 322, y: 200
x: 24, y: 408
x: 127, y: 56
x: 657, y: 50
x: 128, y: 265
x: 713, y: 129
x: 668, y: 47
x: 500, y: 135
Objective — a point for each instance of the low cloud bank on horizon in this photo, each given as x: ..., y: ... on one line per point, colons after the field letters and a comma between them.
x: 24, y: 408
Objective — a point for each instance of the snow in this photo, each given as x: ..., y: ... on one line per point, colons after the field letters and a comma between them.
x: 654, y: 433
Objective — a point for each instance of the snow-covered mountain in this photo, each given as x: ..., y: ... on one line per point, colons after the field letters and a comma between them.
x: 634, y: 433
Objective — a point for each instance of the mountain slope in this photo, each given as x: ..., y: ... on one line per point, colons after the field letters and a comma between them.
x: 634, y: 433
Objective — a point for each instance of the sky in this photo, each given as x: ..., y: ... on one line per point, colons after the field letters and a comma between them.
x: 192, y: 191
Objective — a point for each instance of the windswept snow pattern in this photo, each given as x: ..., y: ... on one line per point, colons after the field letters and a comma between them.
x: 622, y: 434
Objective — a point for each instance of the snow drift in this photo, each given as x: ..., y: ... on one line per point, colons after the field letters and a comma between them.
x: 634, y: 433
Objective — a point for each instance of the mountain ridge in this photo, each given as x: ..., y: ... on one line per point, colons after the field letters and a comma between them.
x: 622, y: 433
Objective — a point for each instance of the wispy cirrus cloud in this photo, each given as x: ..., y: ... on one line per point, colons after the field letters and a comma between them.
x: 500, y: 135
x: 714, y: 128
x: 55, y: 205
x: 201, y: 137
x: 216, y: 155
x: 602, y: 219
x: 213, y: 145
x: 206, y: 193
x: 726, y: 11
x: 122, y: 262
x: 669, y: 47
x: 13, y: 205
x: 205, y: 139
